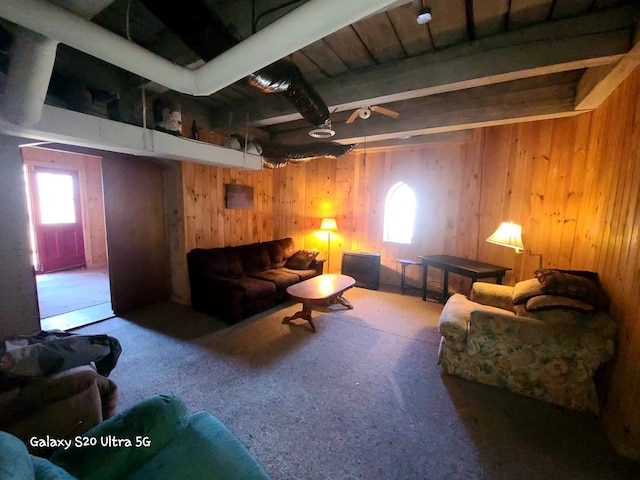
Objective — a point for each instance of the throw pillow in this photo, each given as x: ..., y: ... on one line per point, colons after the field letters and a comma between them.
x: 565, y: 284
x: 301, y: 260
x: 546, y: 302
x: 526, y: 289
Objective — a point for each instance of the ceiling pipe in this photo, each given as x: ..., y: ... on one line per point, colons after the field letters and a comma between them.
x: 304, y: 25
x: 30, y: 66
x: 31, y: 63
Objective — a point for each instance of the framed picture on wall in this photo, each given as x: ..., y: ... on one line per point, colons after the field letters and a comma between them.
x: 238, y: 196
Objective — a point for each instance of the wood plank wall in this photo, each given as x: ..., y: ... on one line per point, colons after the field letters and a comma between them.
x: 208, y: 223
x: 573, y: 184
x: 89, y: 168
x: 607, y: 239
x: 352, y: 189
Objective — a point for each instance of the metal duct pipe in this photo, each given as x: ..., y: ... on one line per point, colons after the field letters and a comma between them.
x: 31, y: 63
x: 304, y: 25
x: 30, y: 66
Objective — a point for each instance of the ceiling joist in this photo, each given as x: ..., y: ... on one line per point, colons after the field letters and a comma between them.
x: 570, y: 44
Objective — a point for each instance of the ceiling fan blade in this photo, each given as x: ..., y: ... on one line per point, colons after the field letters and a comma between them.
x: 385, y: 111
x: 353, y: 116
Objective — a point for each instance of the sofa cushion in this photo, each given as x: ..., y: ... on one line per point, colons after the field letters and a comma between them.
x: 205, y: 449
x: 276, y: 254
x: 546, y: 302
x: 551, y: 315
x: 573, y: 284
x: 256, y: 288
x: 224, y: 262
x: 526, y: 289
x: 289, y: 247
x: 301, y: 260
x: 45, y: 470
x: 159, y: 418
x: 302, y: 274
x: 15, y: 461
x: 493, y: 294
x: 279, y: 277
x: 255, y: 257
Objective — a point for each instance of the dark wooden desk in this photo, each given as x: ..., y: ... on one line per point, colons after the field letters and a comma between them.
x: 461, y: 266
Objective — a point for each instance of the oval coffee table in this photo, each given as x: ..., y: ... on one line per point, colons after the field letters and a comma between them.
x: 320, y: 290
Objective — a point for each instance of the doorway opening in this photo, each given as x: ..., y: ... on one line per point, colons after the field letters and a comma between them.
x: 68, y: 240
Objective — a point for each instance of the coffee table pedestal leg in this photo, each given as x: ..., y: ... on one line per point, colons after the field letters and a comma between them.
x: 304, y: 314
x: 341, y: 300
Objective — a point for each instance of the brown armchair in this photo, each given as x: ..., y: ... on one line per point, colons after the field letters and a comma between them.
x: 61, y: 405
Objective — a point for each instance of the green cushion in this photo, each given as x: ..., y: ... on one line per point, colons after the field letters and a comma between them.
x: 159, y: 419
x: 15, y: 461
x: 45, y: 470
x: 206, y: 450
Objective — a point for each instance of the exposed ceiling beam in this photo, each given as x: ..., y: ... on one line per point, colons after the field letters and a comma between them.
x: 456, y: 136
x: 522, y: 100
x: 581, y: 42
x: 596, y: 85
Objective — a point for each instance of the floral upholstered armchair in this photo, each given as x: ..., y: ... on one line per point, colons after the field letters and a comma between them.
x: 544, y: 338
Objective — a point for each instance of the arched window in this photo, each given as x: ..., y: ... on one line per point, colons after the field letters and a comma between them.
x: 399, y: 214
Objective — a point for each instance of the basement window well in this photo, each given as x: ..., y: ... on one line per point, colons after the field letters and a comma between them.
x: 399, y: 214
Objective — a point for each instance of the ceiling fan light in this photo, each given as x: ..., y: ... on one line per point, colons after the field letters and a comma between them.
x: 424, y: 15
x: 364, y: 113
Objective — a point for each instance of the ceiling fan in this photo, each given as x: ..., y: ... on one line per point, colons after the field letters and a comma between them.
x: 365, y: 112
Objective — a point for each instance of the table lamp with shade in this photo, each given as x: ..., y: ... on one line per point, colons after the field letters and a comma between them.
x: 509, y: 235
x: 328, y: 225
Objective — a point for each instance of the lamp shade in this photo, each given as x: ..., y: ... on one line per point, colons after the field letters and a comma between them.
x: 508, y: 234
x: 328, y: 224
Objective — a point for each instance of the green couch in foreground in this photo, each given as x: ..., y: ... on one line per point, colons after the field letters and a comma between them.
x: 156, y: 438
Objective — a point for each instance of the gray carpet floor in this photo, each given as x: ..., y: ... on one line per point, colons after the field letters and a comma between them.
x: 71, y: 290
x: 363, y: 398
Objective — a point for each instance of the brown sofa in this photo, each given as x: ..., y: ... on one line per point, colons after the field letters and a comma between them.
x: 233, y: 283
x: 62, y: 405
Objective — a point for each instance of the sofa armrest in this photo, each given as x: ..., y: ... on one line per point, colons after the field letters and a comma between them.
x: 456, y: 314
x: 206, y: 447
x: 15, y: 461
x: 454, y: 318
x: 492, y: 294
x: 38, y: 392
x: 149, y: 425
x: 318, y: 265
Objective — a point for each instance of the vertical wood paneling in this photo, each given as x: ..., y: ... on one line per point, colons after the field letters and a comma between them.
x: 353, y: 189
x: 614, y: 149
x: 208, y: 223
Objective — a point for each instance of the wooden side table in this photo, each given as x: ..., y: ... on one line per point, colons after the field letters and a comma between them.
x: 460, y: 266
x: 404, y: 262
